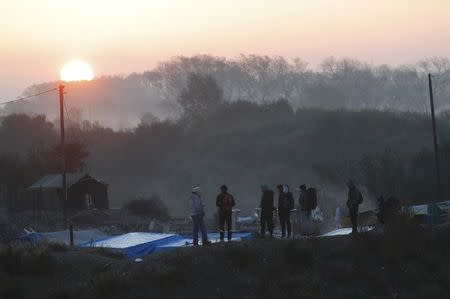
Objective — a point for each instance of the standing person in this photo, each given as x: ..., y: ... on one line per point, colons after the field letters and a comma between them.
x: 305, y: 211
x: 197, y: 214
x: 354, y: 200
x: 285, y: 205
x: 267, y: 209
x: 225, y: 203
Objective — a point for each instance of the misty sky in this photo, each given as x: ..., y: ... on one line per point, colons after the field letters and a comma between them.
x: 119, y: 37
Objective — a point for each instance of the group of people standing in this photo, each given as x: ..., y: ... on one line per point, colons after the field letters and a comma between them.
x: 225, y: 202
x: 307, y: 202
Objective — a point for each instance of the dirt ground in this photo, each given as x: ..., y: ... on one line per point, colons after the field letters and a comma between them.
x: 409, y: 262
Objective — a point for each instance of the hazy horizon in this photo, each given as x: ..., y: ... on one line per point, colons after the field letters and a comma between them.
x: 133, y: 36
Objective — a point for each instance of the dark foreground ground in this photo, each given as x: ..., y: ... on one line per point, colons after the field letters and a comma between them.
x: 405, y: 262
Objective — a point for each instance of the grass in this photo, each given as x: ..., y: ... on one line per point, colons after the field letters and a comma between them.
x: 28, y: 260
x: 107, y: 253
x: 404, y: 262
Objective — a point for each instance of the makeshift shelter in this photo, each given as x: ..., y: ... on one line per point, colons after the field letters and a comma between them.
x: 83, y: 192
x: 423, y: 213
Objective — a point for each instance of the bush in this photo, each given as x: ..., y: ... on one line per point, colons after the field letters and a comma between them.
x: 151, y: 207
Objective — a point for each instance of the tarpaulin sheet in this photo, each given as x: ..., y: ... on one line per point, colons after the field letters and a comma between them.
x: 79, y: 236
x: 346, y: 231
x: 186, y: 241
x: 134, y: 245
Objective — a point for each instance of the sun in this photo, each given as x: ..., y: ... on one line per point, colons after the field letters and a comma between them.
x: 76, y: 70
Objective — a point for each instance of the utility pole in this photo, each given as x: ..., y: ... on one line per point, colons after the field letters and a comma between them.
x: 63, y: 154
x: 436, y: 154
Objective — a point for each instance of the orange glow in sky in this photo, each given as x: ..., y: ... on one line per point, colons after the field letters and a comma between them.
x: 76, y: 70
x: 120, y: 37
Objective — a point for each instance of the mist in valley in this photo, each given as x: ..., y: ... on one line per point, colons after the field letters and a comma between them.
x: 242, y: 122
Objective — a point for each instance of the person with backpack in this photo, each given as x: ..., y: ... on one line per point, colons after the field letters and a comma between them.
x: 197, y: 214
x: 225, y: 202
x: 354, y: 199
x: 267, y: 209
x: 285, y: 205
x: 308, y: 202
x: 303, y: 203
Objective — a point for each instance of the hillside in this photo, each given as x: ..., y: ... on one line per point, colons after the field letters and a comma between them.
x: 243, y: 145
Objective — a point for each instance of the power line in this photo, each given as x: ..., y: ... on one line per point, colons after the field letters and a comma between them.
x: 27, y: 97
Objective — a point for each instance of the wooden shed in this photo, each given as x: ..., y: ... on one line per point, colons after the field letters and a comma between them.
x: 83, y: 192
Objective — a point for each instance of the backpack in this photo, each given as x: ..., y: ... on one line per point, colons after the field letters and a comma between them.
x: 311, y: 198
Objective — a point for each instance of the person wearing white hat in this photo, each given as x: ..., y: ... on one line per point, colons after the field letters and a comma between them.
x: 197, y: 214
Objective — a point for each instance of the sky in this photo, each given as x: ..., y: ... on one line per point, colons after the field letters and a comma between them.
x: 119, y: 37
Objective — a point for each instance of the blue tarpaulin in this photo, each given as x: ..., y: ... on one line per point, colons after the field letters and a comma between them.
x: 134, y: 245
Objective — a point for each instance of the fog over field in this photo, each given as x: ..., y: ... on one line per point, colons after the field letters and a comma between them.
x: 245, y: 122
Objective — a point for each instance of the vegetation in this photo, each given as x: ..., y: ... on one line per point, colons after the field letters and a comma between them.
x: 120, y: 101
x: 405, y: 262
x: 245, y: 145
x: 248, y: 122
x: 28, y: 260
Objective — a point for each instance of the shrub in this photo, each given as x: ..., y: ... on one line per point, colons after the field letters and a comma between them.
x: 151, y: 207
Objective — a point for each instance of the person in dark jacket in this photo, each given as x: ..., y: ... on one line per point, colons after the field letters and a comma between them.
x: 225, y: 202
x: 267, y: 209
x: 305, y: 211
x: 285, y: 205
x: 353, y: 201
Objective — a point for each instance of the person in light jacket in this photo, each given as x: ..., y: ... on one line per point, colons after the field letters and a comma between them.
x: 197, y: 214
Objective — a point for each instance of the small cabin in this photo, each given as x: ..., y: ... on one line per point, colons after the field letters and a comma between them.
x: 84, y: 192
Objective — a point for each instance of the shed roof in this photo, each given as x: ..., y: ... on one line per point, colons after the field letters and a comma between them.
x: 54, y: 181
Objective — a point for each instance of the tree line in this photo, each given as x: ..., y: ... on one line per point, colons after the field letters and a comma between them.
x: 242, y: 144
x: 121, y: 102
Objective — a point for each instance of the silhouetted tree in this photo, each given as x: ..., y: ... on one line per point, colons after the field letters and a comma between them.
x: 201, y: 96
x: 76, y: 154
